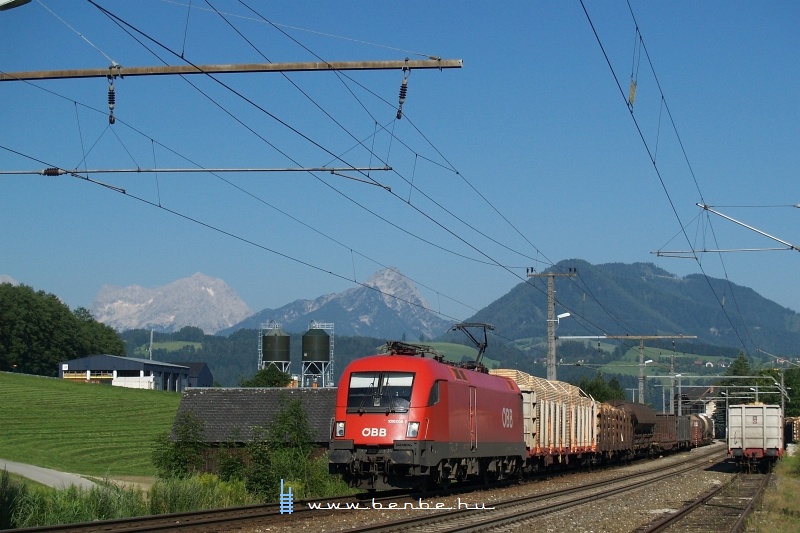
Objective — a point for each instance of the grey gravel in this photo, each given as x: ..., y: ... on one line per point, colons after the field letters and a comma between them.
x: 616, y: 514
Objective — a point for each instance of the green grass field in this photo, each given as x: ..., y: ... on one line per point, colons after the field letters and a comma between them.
x: 171, y: 346
x: 629, y: 364
x: 82, y: 428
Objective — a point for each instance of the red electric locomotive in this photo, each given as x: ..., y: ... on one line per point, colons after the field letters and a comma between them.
x: 409, y: 418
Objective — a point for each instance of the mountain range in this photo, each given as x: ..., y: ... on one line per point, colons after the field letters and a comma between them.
x: 386, y: 306
x: 606, y: 299
x: 643, y: 299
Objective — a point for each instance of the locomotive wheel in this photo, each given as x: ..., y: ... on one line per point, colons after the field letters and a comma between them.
x: 424, y: 483
x: 487, y: 477
x: 443, y: 475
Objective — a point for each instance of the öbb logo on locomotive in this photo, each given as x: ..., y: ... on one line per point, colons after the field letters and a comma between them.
x: 508, y: 418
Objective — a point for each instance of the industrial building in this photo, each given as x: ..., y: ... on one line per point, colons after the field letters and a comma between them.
x: 128, y: 372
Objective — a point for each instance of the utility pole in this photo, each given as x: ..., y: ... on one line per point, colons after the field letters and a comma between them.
x: 551, y: 315
x: 672, y: 384
x: 641, y: 339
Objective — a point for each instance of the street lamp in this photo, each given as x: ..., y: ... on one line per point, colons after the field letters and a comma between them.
x: 680, y: 396
x: 552, y: 325
x: 11, y: 4
x: 784, y: 394
x: 756, y: 391
x: 642, y: 364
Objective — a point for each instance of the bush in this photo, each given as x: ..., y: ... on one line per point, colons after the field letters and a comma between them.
x: 183, y: 456
x: 792, y: 464
x: 204, y: 491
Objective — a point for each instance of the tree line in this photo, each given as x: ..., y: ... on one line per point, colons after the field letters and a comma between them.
x: 38, y: 331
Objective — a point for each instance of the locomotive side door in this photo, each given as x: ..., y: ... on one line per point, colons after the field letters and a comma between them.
x: 473, y: 423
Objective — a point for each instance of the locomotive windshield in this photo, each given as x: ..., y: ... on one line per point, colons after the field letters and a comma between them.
x: 376, y: 392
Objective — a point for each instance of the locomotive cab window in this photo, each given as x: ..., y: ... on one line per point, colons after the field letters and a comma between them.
x: 433, y: 398
x: 375, y: 392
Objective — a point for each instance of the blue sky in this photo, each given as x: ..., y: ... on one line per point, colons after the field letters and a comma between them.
x: 526, y: 156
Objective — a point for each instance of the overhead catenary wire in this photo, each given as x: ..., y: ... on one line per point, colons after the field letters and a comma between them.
x: 122, y: 22
x: 459, y: 174
x: 652, y: 158
x: 139, y: 170
x: 424, y: 214
x: 237, y: 237
x: 257, y: 198
x: 457, y: 236
x: 79, y: 34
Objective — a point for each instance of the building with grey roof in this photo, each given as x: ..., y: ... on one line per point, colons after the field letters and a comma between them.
x: 228, y: 415
x: 128, y: 372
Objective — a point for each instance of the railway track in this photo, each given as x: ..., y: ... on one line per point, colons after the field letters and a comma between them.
x: 268, y: 516
x: 721, y: 510
x: 206, y: 520
x: 525, y: 513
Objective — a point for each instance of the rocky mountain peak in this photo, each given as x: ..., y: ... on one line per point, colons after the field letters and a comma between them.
x: 395, y: 288
x: 198, y: 300
x: 387, y: 305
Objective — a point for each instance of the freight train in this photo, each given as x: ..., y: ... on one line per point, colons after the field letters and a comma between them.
x: 409, y: 419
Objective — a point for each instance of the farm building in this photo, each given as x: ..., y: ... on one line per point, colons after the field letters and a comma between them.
x: 228, y: 415
x: 200, y: 375
x: 126, y: 372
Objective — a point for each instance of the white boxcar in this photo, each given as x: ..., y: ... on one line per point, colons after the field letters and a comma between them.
x: 755, y: 433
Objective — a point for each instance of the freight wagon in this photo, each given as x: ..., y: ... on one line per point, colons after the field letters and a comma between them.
x: 559, y: 420
x: 755, y: 435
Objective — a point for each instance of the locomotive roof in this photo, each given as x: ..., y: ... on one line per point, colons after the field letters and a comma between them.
x: 435, y: 368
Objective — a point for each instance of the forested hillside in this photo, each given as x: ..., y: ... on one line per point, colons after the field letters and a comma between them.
x: 642, y: 299
x: 37, y: 331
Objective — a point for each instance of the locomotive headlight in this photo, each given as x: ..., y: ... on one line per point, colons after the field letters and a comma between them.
x: 339, y: 429
x: 412, y: 430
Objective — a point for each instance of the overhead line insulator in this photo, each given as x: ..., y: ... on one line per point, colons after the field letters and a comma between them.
x: 403, y: 92
x: 112, y: 99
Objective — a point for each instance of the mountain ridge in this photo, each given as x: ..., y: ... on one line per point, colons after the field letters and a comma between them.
x: 643, y: 299
x: 604, y: 299
x: 387, y: 305
x: 198, y: 300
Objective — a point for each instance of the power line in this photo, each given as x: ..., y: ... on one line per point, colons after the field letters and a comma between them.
x: 652, y: 158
